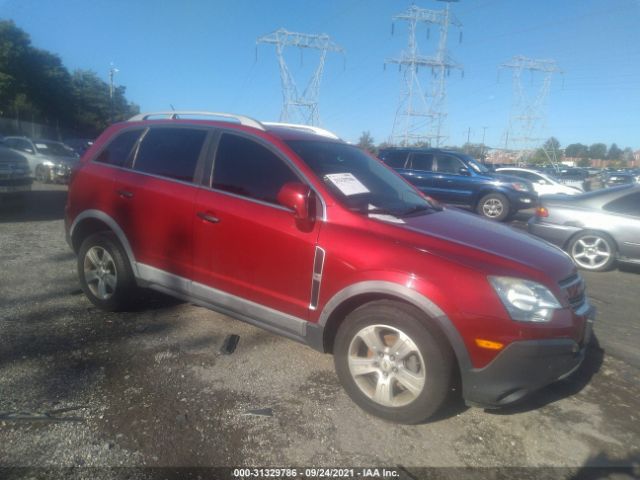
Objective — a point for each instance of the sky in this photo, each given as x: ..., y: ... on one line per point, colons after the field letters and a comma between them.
x: 202, y: 55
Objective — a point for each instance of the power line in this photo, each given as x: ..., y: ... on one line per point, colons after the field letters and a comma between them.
x: 300, y: 107
x: 420, y: 115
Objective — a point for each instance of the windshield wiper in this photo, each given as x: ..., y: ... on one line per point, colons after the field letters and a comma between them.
x: 417, y: 209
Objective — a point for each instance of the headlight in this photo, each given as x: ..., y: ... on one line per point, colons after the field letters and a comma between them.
x: 520, y: 187
x: 525, y: 301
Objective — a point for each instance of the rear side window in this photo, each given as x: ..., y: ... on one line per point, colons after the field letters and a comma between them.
x: 170, y: 152
x: 449, y: 164
x: 247, y: 168
x: 422, y: 161
x: 627, y: 205
x: 395, y: 159
x: 118, y: 151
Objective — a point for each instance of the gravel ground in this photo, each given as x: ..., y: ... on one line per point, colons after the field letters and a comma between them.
x: 84, y: 388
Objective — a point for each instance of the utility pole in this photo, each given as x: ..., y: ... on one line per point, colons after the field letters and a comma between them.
x: 112, y: 71
x: 528, y: 112
x: 300, y: 107
x: 420, y: 115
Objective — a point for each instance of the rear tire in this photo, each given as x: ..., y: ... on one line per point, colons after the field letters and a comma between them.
x: 494, y: 206
x: 105, y: 272
x: 593, y: 251
x: 392, y: 363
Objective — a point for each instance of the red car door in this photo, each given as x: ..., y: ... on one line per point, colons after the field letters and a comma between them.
x: 154, y: 199
x: 245, y: 243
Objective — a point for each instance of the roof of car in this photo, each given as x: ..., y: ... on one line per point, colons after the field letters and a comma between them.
x: 284, y: 131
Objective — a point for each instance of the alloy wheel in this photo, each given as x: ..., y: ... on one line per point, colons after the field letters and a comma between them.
x: 492, y: 208
x: 386, y: 365
x: 591, y: 252
x: 100, y: 272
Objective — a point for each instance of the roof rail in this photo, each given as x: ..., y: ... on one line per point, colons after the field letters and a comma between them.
x: 308, y: 128
x: 172, y: 115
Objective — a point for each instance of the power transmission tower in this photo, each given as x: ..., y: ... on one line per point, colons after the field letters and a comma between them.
x: 420, y: 115
x: 297, y: 107
x: 528, y: 111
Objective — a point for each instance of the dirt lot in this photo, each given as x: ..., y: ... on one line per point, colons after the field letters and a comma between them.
x: 80, y: 387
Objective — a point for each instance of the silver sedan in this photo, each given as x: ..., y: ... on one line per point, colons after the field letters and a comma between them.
x: 597, y: 228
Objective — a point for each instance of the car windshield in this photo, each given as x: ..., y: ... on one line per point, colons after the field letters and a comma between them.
x: 477, y: 166
x: 360, y: 182
x: 54, y: 148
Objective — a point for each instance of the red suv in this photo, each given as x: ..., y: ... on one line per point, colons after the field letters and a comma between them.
x: 289, y: 228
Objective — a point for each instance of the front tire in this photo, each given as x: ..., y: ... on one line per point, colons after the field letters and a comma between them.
x: 594, y: 251
x: 494, y: 206
x: 105, y: 273
x: 392, y: 363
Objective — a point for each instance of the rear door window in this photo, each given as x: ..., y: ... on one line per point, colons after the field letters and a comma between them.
x: 395, y: 159
x: 244, y: 167
x: 627, y: 205
x: 118, y: 151
x: 170, y: 152
x: 449, y: 164
x: 422, y: 161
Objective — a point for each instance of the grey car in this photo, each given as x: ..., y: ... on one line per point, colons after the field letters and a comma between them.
x: 595, y: 228
x: 49, y: 161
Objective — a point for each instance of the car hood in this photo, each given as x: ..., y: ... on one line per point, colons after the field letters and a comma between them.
x: 470, y: 231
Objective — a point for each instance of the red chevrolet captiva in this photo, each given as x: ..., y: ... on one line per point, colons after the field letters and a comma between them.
x: 291, y: 229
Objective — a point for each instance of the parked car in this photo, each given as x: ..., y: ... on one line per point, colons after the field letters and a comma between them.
x: 14, y: 173
x: 455, y: 178
x: 79, y: 145
x: 596, y: 228
x: 613, y: 179
x: 295, y: 231
x: 49, y: 161
x: 543, y: 184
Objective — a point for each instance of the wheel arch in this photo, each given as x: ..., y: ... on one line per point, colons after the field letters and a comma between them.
x: 354, y: 296
x: 92, y: 221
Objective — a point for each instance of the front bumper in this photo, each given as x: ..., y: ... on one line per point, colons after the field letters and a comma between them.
x: 522, y: 201
x: 524, y: 367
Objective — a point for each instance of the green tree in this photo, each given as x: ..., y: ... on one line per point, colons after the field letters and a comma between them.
x: 36, y: 86
x: 366, y: 142
x: 614, y: 152
x: 552, y: 145
x: 576, y: 150
x: 598, y: 151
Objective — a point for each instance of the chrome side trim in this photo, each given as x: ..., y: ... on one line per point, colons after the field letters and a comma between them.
x: 316, y: 276
x: 113, y: 225
x: 227, y: 303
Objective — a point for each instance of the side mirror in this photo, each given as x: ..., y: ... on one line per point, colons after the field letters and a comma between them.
x: 464, y: 171
x: 297, y: 197
x: 28, y: 150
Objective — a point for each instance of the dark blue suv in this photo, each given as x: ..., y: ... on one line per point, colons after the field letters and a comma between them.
x: 455, y: 178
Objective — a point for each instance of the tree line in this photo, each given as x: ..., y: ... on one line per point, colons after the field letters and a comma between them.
x: 36, y: 87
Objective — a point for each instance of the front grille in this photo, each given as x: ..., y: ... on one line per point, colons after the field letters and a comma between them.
x: 574, y: 291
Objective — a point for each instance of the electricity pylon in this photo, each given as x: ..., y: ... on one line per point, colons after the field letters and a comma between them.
x: 420, y: 115
x: 528, y: 110
x: 297, y: 107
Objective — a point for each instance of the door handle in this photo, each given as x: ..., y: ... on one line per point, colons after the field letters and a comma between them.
x: 207, y: 217
x: 125, y: 193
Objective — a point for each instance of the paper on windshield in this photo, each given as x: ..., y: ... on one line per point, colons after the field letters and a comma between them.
x: 347, y: 183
